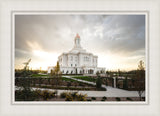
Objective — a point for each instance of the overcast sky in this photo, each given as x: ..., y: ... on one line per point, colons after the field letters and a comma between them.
x: 118, y: 40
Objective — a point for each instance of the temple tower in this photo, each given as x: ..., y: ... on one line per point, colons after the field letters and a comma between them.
x: 77, y: 41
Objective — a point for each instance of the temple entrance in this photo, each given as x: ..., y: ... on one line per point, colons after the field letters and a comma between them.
x: 90, y: 71
x: 83, y: 71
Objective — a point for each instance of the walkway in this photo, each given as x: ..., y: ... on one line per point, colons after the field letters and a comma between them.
x: 111, y: 92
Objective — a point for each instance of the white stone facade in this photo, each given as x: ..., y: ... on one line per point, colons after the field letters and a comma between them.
x: 78, y: 61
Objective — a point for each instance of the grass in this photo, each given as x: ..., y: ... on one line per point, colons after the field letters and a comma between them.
x: 71, y: 74
x: 39, y: 75
x: 67, y: 79
x: 86, y: 78
x: 71, y: 80
x: 90, y: 86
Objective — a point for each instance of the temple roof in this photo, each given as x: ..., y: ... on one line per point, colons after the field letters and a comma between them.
x: 77, y: 50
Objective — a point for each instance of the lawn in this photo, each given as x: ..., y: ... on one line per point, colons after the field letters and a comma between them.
x: 39, y: 75
x: 71, y: 80
x: 67, y: 79
x: 86, y: 78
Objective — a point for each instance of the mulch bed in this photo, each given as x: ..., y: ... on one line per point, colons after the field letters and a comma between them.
x: 114, y: 99
x: 133, y: 99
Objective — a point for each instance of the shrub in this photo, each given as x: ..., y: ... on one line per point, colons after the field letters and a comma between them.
x: 118, y: 99
x: 106, y: 83
x: 68, y: 84
x: 128, y: 98
x: 52, y: 94
x: 143, y: 98
x: 56, y: 92
x: 69, y: 98
x: 25, y: 95
x: 98, y: 82
x: 74, y: 94
x: 80, y: 84
x: 101, y: 89
x: 38, y: 92
x: 93, y: 98
x: 89, y: 100
x: 104, y: 98
x: 81, y: 97
x: 63, y: 95
x: 45, y: 95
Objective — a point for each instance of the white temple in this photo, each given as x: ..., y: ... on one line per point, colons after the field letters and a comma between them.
x: 78, y: 61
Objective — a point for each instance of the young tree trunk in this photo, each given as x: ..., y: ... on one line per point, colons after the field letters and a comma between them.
x: 140, y: 95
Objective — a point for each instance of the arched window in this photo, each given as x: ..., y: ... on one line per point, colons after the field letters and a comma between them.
x: 80, y: 72
x: 67, y: 72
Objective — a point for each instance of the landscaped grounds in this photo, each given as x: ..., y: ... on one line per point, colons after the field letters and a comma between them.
x: 40, y: 86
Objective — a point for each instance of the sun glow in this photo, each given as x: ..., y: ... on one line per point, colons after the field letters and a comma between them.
x: 115, y: 62
x: 43, y: 59
x: 40, y: 59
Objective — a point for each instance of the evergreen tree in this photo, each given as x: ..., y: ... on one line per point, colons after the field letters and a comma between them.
x: 98, y: 81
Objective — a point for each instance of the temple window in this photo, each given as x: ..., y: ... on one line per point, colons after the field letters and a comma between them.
x: 71, y: 58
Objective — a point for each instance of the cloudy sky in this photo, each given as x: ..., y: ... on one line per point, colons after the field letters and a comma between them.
x: 118, y: 40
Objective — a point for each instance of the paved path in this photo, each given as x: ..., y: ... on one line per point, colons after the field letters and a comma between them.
x: 111, y: 92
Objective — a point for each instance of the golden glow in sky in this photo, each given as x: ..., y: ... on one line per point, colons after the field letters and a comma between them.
x: 117, y: 40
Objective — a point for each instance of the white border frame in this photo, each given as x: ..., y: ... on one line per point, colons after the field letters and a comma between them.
x: 146, y: 13
x: 152, y: 108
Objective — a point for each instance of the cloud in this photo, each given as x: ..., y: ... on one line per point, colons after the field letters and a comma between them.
x: 116, y: 34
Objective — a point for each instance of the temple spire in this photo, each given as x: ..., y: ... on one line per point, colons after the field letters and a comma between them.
x: 77, y: 36
x: 77, y: 41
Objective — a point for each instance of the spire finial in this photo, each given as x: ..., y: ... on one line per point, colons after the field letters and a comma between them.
x: 77, y: 36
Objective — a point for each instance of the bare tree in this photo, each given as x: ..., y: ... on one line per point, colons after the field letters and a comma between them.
x: 140, y: 79
x: 56, y: 75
